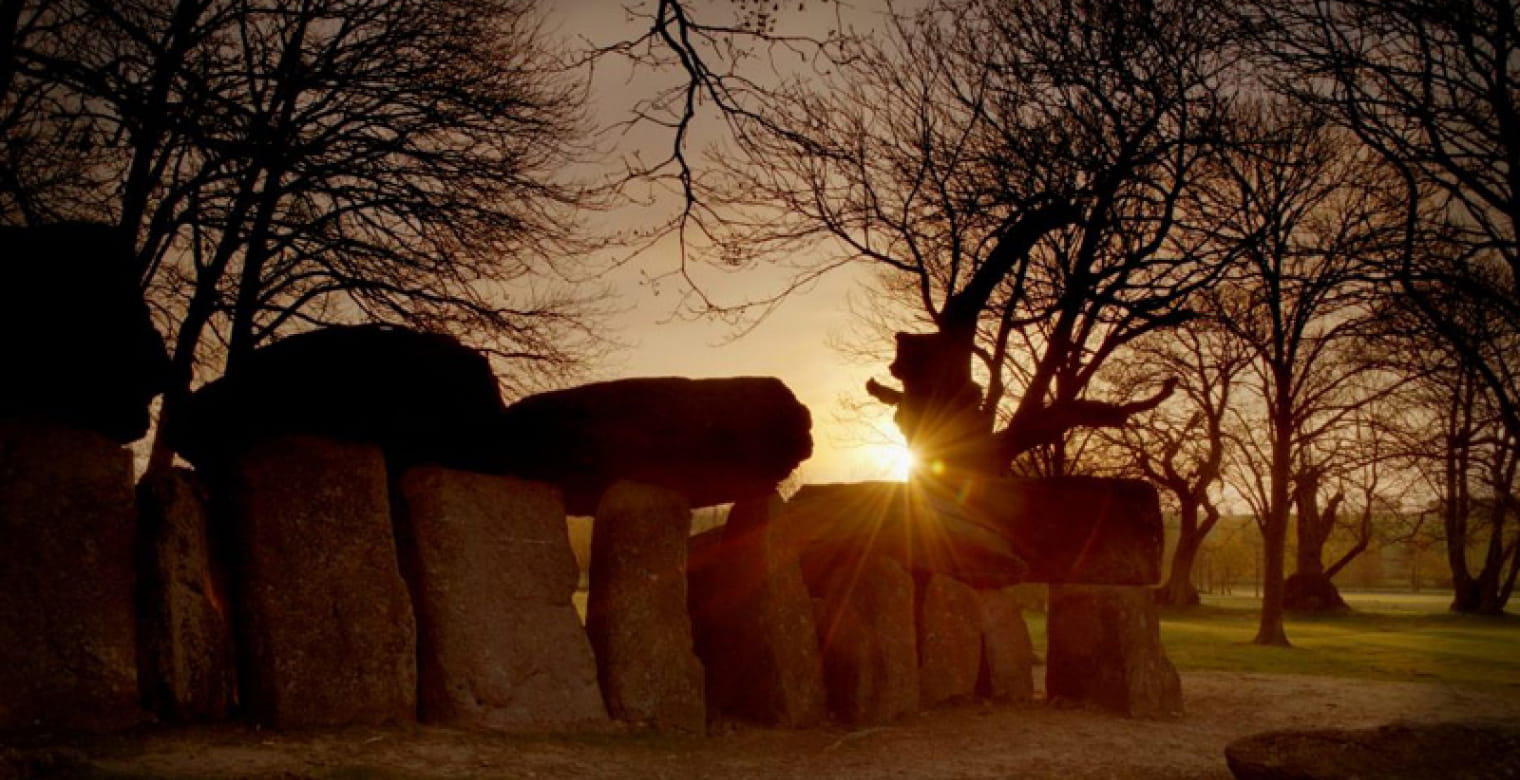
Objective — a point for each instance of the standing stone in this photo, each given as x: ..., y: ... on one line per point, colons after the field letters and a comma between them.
x: 67, y: 646
x: 491, y: 572
x: 186, y: 663
x: 1105, y: 649
x: 327, y: 632
x: 949, y: 641
x: 636, y: 612
x: 753, y: 620
x: 866, y: 629
x: 1007, y: 672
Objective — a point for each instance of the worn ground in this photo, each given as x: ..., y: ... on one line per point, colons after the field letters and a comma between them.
x: 969, y: 741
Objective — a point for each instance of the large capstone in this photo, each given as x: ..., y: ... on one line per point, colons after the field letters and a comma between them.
x: 753, y: 622
x: 326, y: 627
x: 185, y: 660
x: 711, y: 440
x: 422, y: 398
x: 1104, y: 648
x: 76, y: 340
x: 832, y: 527
x: 67, y: 654
x: 865, y: 621
x: 636, y: 612
x: 491, y: 572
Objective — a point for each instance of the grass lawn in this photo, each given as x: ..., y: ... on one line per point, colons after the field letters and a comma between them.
x: 1387, y: 636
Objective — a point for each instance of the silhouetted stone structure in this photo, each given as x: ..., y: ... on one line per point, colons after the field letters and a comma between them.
x: 949, y: 640
x: 1470, y: 750
x: 711, y: 440
x: 327, y: 632
x: 636, y: 612
x: 76, y: 340
x: 865, y: 624
x: 1092, y: 530
x: 1105, y: 649
x: 753, y: 622
x: 833, y: 526
x: 423, y: 398
x: 1007, y: 670
x: 186, y: 663
x: 67, y: 639
x: 491, y: 573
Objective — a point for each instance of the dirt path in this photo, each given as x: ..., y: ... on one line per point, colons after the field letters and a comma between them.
x: 971, y: 741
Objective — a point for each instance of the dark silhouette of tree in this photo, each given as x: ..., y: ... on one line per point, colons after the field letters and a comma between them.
x: 290, y: 163
x: 1017, y: 169
x: 1180, y: 446
x: 1304, y: 211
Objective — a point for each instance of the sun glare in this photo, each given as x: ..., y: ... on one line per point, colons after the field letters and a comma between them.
x: 894, y: 461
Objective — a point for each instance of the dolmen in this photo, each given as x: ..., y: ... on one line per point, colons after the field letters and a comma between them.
x: 400, y: 542
x: 82, y: 361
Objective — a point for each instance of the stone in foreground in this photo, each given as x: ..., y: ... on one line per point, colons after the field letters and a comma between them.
x: 636, y: 612
x: 1007, y: 672
x: 1473, y: 750
x: 186, y: 658
x: 491, y: 572
x: 753, y: 621
x: 949, y: 641
x: 1104, y: 648
x: 327, y: 633
x: 866, y: 629
x: 711, y: 440
x: 67, y: 654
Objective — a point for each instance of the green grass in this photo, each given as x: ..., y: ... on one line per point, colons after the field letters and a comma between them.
x: 1387, y: 636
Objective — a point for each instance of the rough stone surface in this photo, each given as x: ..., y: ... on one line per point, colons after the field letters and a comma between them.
x: 491, y: 573
x: 833, y: 526
x: 1093, y: 530
x: 949, y: 640
x: 422, y: 397
x: 1007, y: 672
x: 76, y: 340
x: 67, y: 654
x: 1474, y: 750
x: 866, y: 629
x: 711, y: 440
x: 186, y: 665
x: 327, y: 635
x: 1104, y: 648
x: 753, y: 622
x: 636, y: 612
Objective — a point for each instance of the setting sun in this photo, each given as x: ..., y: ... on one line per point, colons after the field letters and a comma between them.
x: 893, y: 461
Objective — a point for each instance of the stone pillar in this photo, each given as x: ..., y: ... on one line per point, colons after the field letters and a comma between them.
x: 67, y: 634
x: 491, y: 573
x: 753, y: 620
x: 865, y: 622
x: 636, y: 612
x: 949, y: 640
x: 186, y: 661
x: 1007, y: 672
x: 326, y: 627
x: 1105, y: 649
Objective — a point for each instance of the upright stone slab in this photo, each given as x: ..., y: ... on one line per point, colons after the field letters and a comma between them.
x: 491, y: 572
x: 949, y: 641
x: 1105, y: 649
x: 327, y: 632
x: 753, y: 620
x: 866, y: 630
x: 67, y: 655
x: 185, y: 660
x: 1007, y: 672
x: 636, y: 613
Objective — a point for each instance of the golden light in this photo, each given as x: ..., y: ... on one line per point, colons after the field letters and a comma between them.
x: 893, y: 461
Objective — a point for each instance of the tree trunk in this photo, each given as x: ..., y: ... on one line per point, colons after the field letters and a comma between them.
x: 1274, y: 530
x: 1178, y: 590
